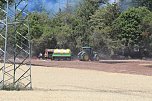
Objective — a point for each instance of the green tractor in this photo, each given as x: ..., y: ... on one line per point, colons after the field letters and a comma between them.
x: 87, y: 54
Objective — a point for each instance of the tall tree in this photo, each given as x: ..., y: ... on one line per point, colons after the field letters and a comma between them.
x: 63, y: 26
x: 101, y: 26
x: 129, y: 26
x: 85, y: 10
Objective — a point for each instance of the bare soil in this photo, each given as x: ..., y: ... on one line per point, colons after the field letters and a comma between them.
x: 140, y: 67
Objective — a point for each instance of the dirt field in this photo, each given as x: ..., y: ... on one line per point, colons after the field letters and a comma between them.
x: 140, y: 67
x: 74, y: 81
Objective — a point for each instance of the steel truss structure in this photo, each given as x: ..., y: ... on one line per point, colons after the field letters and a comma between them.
x: 15, y: 46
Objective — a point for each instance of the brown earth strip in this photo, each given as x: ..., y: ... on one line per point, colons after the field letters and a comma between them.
x: 114, y: 66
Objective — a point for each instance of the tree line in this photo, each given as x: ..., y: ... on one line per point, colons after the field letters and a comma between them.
x: 105, y: 27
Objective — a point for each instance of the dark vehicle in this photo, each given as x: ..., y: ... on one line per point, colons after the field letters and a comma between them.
x: 87, y: 54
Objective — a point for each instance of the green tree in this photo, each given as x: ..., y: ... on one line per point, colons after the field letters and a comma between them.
x: 63, y: 26
x: 129, y: 26
x: 56, y: 32
x: 101, y: 26
x: 38, y: 21
x: 85, y: 10
x: 38, y: 24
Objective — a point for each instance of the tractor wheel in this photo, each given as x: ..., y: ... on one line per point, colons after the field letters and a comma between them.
x: 96, y: 57
x: 79, y: 55
x: 69, y: 58
x: 85, y: 57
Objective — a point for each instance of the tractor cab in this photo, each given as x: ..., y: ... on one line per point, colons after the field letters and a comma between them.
x: 48, y: 53
x: 88, y: 50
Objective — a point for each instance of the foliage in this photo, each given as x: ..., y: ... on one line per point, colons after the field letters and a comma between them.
x: 101, y: 23
x: 83, y: 14
x: 104, y: 28
x: 39, y: 26
x: 133, y: 26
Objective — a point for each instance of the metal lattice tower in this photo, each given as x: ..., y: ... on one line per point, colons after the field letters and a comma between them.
x: 15, y: 47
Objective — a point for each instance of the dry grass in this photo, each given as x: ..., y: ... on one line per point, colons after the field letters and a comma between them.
x: 56, y: 84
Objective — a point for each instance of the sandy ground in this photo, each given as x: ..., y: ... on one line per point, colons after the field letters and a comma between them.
x: 66, y: 84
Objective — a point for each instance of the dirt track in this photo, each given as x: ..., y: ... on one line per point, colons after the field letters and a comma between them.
x: 140, y: 67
